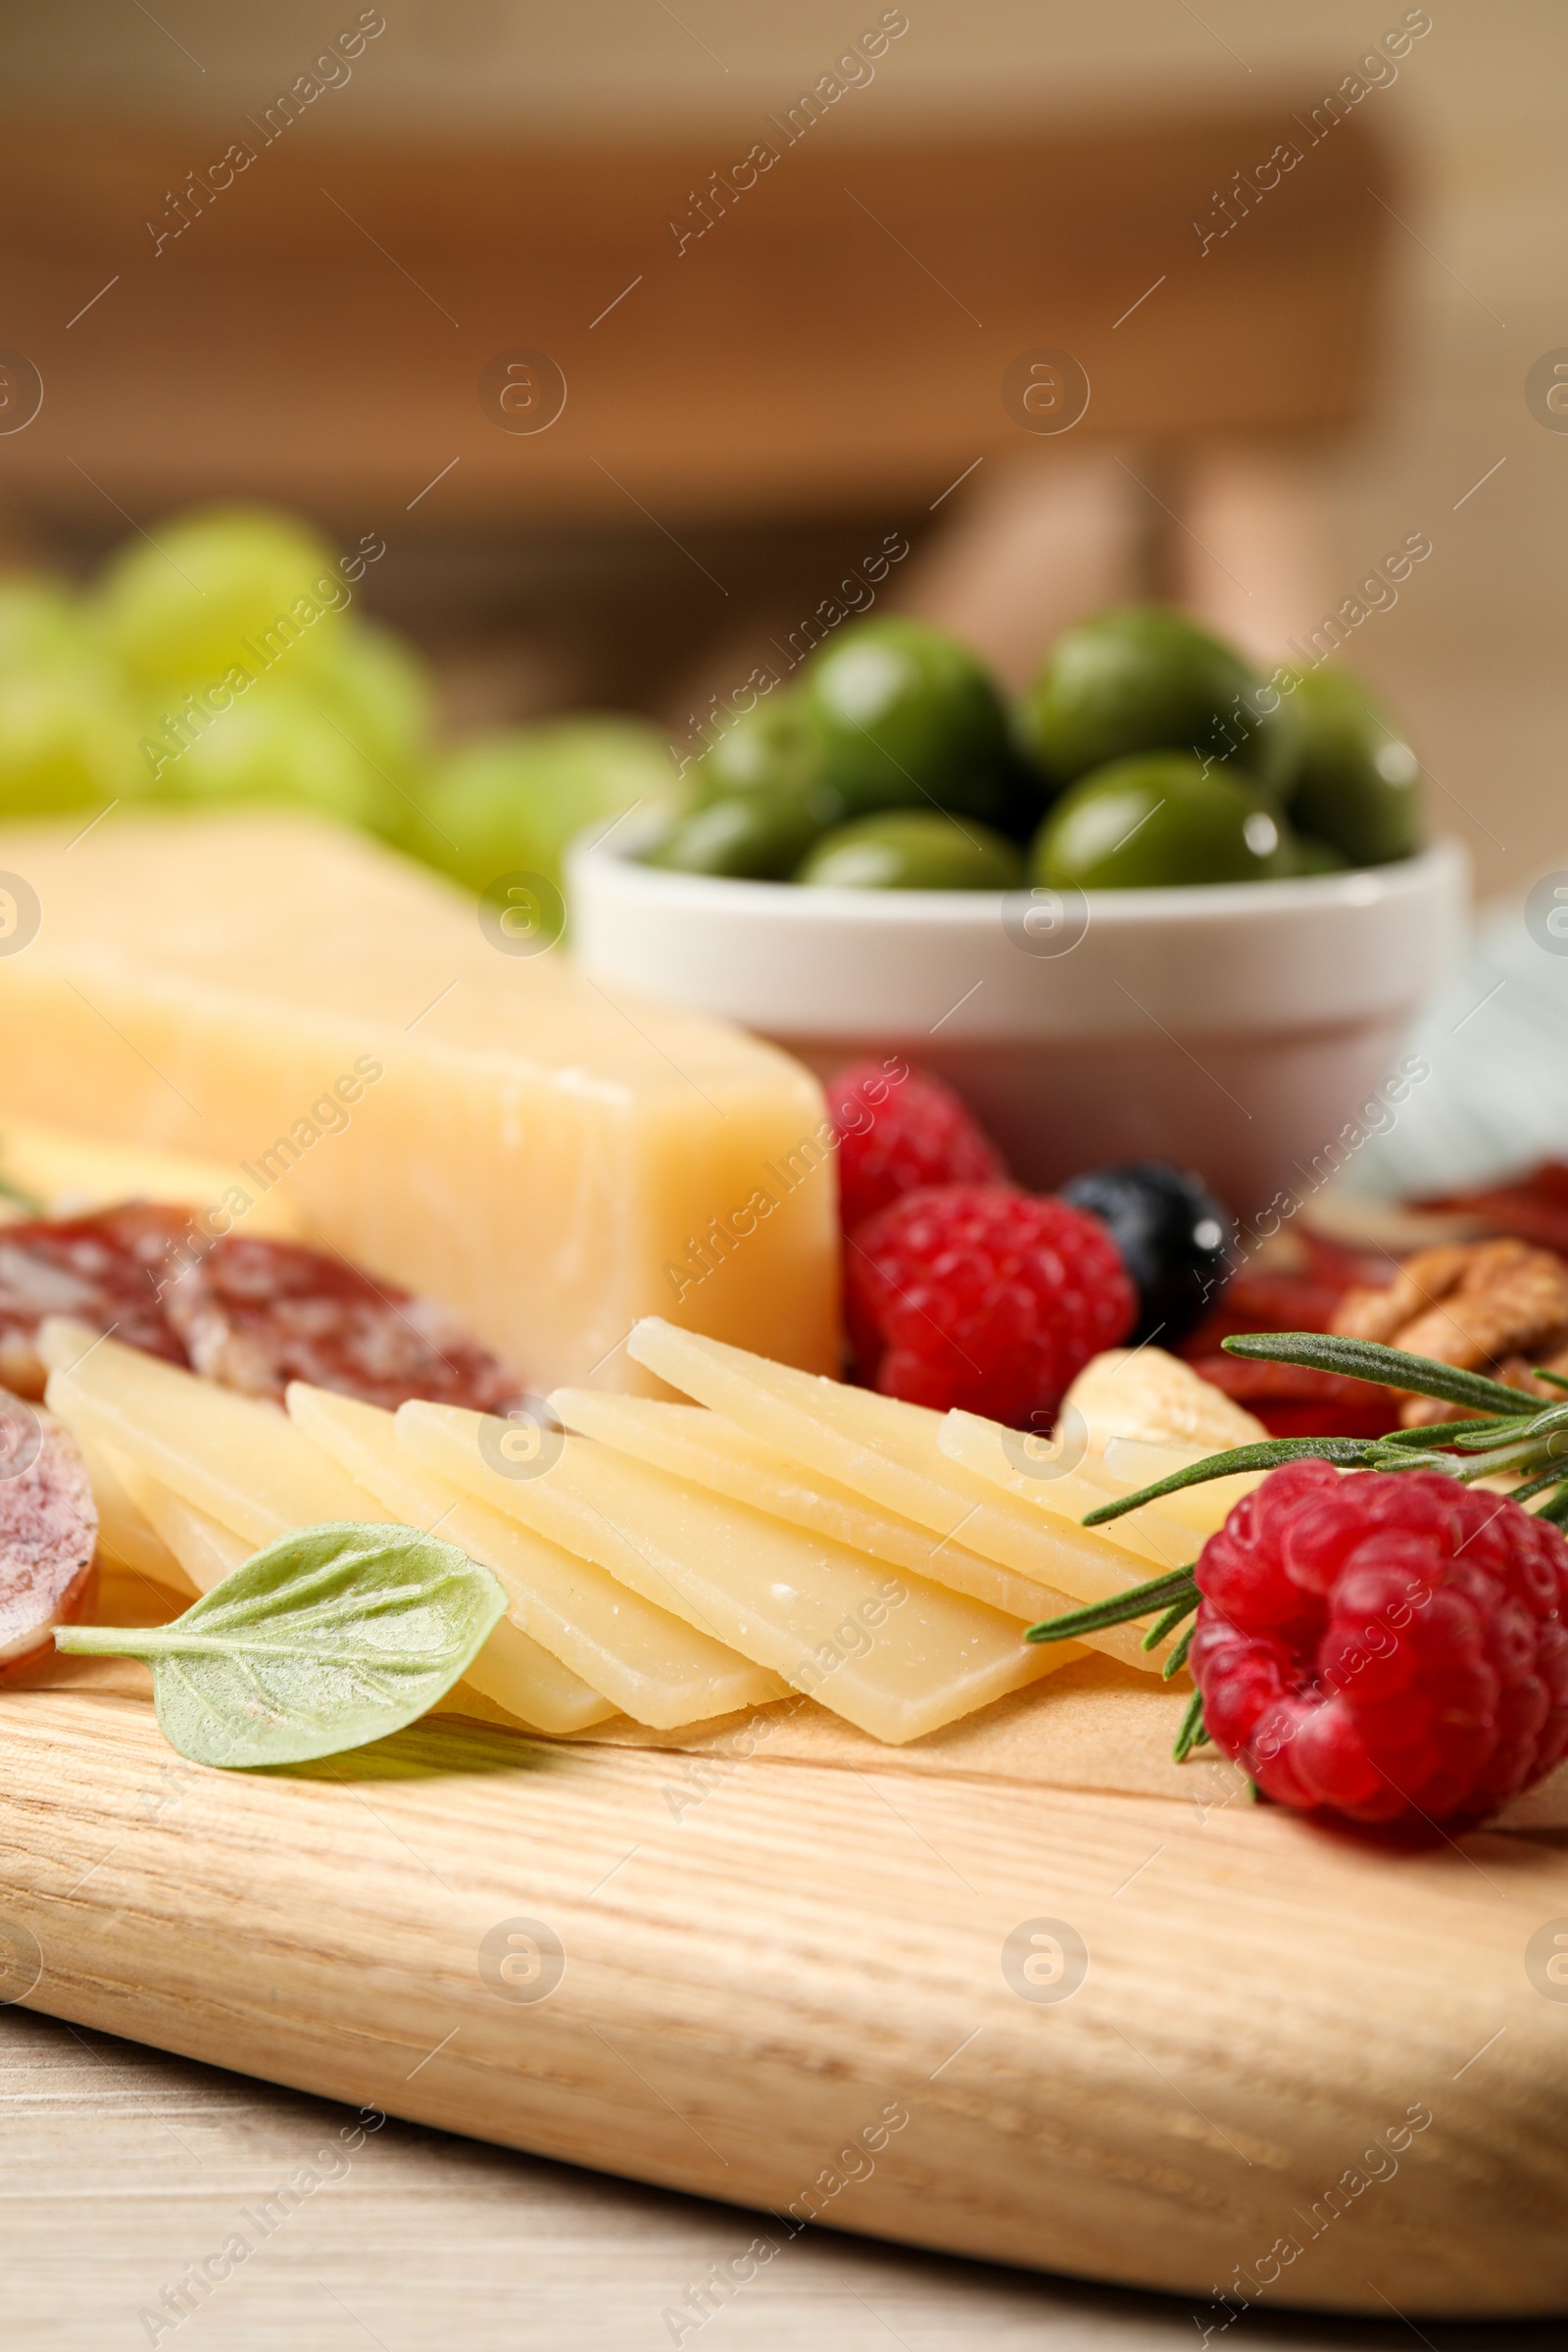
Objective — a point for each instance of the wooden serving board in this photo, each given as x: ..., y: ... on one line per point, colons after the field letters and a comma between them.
x: 800, y: 1994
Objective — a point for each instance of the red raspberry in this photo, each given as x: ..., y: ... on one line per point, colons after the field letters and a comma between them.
x: 897, y: 1133
x: 1389, y: 1645
x: 979, y: 1295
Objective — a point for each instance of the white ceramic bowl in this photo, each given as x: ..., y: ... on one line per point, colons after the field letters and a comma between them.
x: 1234, y: 1028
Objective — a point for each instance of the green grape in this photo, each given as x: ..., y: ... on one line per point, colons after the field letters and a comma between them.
x: 224, y: 588
x: 64, y: 744
x: 277, y: 747
x: 43, y: 625
x: 511, y: 800
x: 378, y: 690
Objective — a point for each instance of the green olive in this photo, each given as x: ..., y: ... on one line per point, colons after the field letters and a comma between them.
x: 1154, y: 820
x: 907, y: 717
x: 1359, y: 784
x: 750, y: 836
x: 1303, y: 854
x: 914, y: 849
x: 1150, y: 679
x: 773, y: 747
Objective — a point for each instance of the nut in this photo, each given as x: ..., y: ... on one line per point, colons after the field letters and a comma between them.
x: 1499, y: 1306
x: 1145, y: 1393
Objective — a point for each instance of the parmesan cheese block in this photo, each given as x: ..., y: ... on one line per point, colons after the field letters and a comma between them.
x: 654, y: 1667
x: 892, y: 1653
x: 888, y: 1452
x: 548, y: 1158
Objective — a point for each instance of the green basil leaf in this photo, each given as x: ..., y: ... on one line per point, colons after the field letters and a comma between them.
x: 329, y: 1638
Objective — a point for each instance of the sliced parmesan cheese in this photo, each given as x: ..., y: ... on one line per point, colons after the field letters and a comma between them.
x: 237, y: 1459
x: 888, y: 1452
x: 512, y: 1670
x: 652, y: 1665
x: 1168, y: 1529
x: 689, y: 1441
x: 515, y: 1672
x: 443, y: 1098
x: 891, y: 1652
x: 1130, y: 1465
x: 126, y: 1535
x: 206, y: 1550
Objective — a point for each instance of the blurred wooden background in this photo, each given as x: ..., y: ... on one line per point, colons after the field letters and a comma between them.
x: 839, y: 334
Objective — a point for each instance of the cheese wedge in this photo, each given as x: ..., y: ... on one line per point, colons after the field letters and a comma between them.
x: 541, y: 1155
x: 888, y: 1452
x: 652, y: 1665
x: 891, y: 1652
x: 56, y: 1172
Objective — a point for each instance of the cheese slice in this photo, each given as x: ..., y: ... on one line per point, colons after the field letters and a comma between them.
x: 546, y: 1156
x: 888, y: 1452
x: 512, y: 1671
x: 892, y: 1653
x: 126, y: 1536
x: 206, y: 1550
x: 689, y: 1441
x: 654, y: 1667
x: 1167, y: 1529
x: 1202, y: 1509
x: 237, y: 1459
x: 218, y: 1476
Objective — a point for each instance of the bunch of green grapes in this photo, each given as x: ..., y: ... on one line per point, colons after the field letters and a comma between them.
x: 224, y: 659
x: 220, y: 660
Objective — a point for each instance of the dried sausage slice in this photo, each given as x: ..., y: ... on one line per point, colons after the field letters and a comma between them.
x: 256, y: 1314
x: 108, y: 1270
x: 48, y: 1527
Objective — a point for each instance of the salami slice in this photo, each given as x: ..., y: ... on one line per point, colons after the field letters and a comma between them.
x: 48, y: 1528
x: 111, y: 1270
x: 256, y: 1314
x: 253, y: 1315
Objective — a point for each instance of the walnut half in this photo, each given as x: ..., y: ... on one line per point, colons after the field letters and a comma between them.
x: 1496, y: 1306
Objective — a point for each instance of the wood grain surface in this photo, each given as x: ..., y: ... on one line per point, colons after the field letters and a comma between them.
x: 126, y: 2167
x: 795, y: 1996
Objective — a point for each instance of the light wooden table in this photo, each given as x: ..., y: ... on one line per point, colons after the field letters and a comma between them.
x: 124, y: 2166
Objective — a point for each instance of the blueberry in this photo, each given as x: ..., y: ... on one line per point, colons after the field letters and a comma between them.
x: 1176, y: 1239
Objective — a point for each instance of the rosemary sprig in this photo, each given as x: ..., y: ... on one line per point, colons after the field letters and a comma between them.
x: 1505, y: 1432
